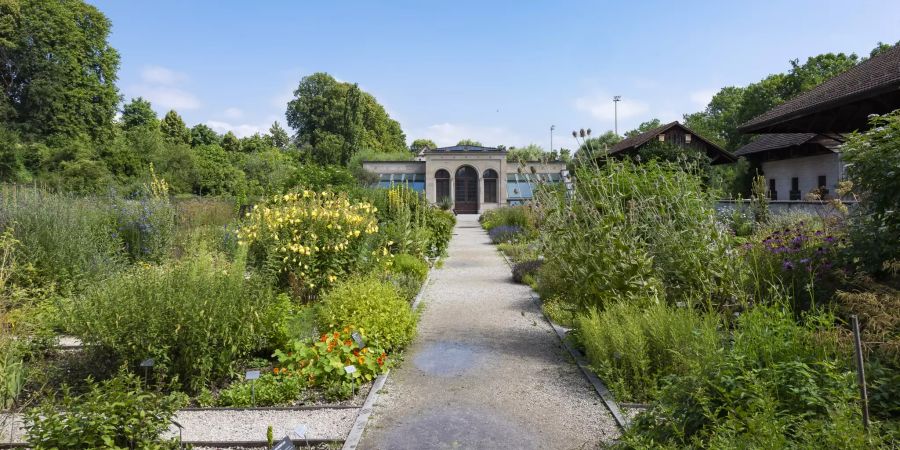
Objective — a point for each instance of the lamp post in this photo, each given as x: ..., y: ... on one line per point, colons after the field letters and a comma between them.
x: 552, y: 127
x: 616, y: 100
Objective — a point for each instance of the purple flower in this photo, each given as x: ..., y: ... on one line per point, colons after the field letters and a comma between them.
x: 804, y: 261
x: 829, y: 239
x: 787, y: 265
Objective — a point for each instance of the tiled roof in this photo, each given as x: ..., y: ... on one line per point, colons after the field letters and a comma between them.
x: 775, y: 140
x: 876, y: 76
x: 643, y: 138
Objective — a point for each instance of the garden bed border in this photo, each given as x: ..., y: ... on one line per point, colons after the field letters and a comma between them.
x: 605, y: 395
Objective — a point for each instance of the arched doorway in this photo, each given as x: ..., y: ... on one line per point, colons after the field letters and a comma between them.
x: 466, y: 190
x: 442, y: 186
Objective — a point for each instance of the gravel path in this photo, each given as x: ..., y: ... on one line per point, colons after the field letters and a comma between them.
x: 486, y: 370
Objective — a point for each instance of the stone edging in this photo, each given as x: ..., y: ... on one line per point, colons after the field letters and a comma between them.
x: 362, y: 418
x: 604, y: 393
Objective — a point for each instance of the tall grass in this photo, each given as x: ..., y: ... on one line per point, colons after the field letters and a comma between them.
x: 632, y: 348
x: 63, y: 239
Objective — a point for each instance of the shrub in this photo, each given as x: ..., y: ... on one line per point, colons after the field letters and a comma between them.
x: 410, y: 265
x: 638, y: 231
x: 505, y: 233
x: 64, y: 239
x: 117, y: 413
x: 519, y: 251
x: 633, y: 347
x: 440, y: 223
x: 324, y: 362
x: 270, y: 390
x: 311, y: 239
x: 12, y: 370
x: 872, y: 160
x: 525, y: 269
x: 779, y: 383
x: 373, y: 306
x: 195, y: 317
x: 145, y: 226
x: 518, y: 216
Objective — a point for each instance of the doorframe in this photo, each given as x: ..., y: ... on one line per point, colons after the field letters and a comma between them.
x: 476, y: 180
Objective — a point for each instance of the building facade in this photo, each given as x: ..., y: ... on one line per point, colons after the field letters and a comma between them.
x: 472, y: 179
x: 796, y: 165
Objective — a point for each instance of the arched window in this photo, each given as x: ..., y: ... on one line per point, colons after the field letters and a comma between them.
x: 490, y: 186
x: 442, y: 185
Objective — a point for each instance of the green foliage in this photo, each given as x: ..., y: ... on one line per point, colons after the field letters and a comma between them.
x: 279, y: 136
x: 407, y: 273
x: 270, y: 390
x: 421, y: 144
x: 596, y: 146
x: 231, y: 143
x: 633, y: 348
x: 518, y: 216
x: 320, y: 178
x: 174, y: 130
x: 759, y: 203
x: 440, y: 223
x: 138, y: 113
x: 530, y: 152
x: 519, y: 251
x: 334, y: 120
x: 59, y: 71
x: 470, y: 142
x: 12, y: 369
x: 201, y: 134
x: 145, y: 226
x: 373, y: 306
x: 873, y: 158
x: 643, y: 128
x: 114, y: 414
x: 778, y: 384
x: 324, y: 362
x: 644, y: 231
x: 195, y: 317
x: 64, y: 239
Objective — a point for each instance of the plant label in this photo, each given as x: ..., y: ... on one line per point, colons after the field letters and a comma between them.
x: 284, y: 444
x: 252, y: 375
x: 358, y: 339
x: 350, y: 369
x: 300, y: 431
x: 147, y: 362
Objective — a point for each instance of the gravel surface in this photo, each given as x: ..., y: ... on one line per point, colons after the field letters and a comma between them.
x: 250, y: 425
x: 243, y: 425
x: 486, y: 370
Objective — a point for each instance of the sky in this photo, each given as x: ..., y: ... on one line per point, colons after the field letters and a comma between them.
x: 500, y: 72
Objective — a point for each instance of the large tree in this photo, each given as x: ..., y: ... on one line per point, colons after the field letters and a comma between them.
x: 174, y: 130
x: 644, y: 127
x: 596, y: 146
x: 202, y: 134
x: 421, y: 144
x: 57, y: 70
x: 334, y: 120
x: 530, y: 152
x: 138, y: 113
x: 280, y: 138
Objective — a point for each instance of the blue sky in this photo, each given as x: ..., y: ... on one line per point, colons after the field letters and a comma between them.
x: 501, y: 72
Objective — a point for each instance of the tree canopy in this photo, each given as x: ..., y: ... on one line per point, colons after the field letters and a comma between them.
x: 420, y: 144
x: 530, y: 152
x: 138, y: 113
x: 644, y: 127
x: 471, y: 142
x: 174, y: 130
x: 57, y: 70
x: 333, y: 120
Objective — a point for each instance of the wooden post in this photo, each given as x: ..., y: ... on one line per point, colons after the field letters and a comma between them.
x: 860, y: 371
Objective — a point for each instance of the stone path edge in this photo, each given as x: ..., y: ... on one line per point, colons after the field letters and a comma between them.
x: 605, y: 395
x: 362, y: 418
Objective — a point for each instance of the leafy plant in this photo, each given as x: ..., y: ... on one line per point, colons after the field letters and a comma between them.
x: 505, y: 233
x: 325, y: 362
x: 518, y: 216
x: 271, y: 389
x: 526, y: 269
x: 312, y: 238
x: 195, y: 317
x: 372, y: 305
x: 116, y: 413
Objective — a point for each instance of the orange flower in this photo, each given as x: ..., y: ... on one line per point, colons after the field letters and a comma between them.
x: 275, y: 371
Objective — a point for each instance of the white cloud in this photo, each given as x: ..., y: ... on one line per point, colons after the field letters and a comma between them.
x: 162, y: 75
x: 166, y: 98
x: 162, y: 87
x: 240, y: 130
x: 702, y: 97
x: 446, y: 134
x: 601, y: 107
x: 233, y: 113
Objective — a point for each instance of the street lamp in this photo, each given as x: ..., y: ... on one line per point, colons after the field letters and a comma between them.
x: 616, y: 100
x: 552, y: 127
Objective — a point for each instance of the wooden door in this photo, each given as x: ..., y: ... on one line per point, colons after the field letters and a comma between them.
x: 466, y: 190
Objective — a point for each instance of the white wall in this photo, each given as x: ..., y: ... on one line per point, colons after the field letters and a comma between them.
x: 807, y: 170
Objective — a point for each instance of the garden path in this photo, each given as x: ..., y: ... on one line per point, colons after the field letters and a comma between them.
x: 486, y: 370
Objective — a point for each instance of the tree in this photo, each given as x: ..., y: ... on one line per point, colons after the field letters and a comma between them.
x: 421, y: 144
x: 174, y: 130
x: 280, y: 138
x: 57, y: 70
x: 334, y: 120
x: 138, y: 113
x: 644, y: 127
x: 530, y: 152
x: 471, y: 142
x: 594, y: 147
x: 881, y: 47
x: 202, y: 134
x: 256, y: 143
x: 231, y: 143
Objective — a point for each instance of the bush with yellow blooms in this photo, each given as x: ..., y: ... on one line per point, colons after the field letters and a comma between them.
x: 312, y: 239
